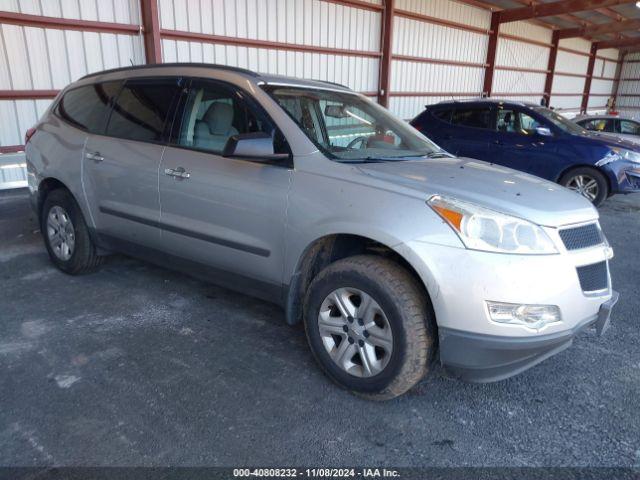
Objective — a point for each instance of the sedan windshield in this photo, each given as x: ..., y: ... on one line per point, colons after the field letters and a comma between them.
x: 561, y: 122
x: 349, y: 127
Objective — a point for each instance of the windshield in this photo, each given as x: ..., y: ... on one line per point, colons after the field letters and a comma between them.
x: 561, y: 122
x: 348, y: 127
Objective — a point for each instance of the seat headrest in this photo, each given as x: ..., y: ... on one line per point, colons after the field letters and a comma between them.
x: 219, y: 118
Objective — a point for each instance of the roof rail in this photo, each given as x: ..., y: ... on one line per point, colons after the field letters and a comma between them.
x: 166, y: 65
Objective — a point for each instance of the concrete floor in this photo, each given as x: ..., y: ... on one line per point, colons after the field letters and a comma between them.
x: 136, y: 365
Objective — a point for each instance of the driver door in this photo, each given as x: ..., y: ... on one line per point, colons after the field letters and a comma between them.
x: 225, y: 213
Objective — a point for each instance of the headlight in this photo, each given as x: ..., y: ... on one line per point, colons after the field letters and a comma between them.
x: 531, y: 316
x: 483, y: 229
x: 620, y: 154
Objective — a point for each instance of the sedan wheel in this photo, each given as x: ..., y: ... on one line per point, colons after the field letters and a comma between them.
x: 355, y: 332
x: 585, y: 186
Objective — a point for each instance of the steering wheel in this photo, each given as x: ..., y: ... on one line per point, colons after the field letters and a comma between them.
x: 362, y: 139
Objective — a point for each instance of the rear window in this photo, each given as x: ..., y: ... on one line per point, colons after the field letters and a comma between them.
x: 142, y: 108
x: 88, y: 107
x: 472, y: 117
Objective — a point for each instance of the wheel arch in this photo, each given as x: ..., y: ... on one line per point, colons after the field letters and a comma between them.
x: 46, y: 186
x: 327, y: 249
x: 586, y: 165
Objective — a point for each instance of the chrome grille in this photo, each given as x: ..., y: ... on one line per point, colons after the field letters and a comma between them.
x: 581, y: 237
x: 593, y: 277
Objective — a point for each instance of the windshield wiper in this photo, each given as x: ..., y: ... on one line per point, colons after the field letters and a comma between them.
x: 440, y: 154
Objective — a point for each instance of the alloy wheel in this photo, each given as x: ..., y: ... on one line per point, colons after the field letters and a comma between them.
x: 355, y: 332
x: 585, y: 185
x: 60, y: 233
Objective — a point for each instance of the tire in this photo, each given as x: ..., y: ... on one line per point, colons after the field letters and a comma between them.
x: 579, y: 178
x: 399, y: 308
x: 80, y: 256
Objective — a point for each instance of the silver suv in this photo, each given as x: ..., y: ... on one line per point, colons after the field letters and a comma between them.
x: 392, y: 252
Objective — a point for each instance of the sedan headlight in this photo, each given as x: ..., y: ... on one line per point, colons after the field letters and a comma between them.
x: 617, y: 154
x: 482, y: 229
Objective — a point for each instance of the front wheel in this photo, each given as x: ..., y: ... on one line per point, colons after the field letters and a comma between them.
x: 370, y: 326
x: 588, y: 182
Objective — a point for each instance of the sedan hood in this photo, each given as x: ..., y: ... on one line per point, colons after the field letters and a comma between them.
x: 489, y: 185
x: 611, y: 140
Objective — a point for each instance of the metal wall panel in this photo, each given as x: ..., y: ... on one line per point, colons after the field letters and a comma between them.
x: 527, y: 30
x: 431, y: 41
x: 119, y: 11
x: 505, y: 81
x: 359, y: 73
x: 304, y: 22
x: 47, y: 59
x: 448, y: 10
x: 408, y: 107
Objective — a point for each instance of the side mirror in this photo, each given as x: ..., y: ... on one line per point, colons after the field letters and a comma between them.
x: 257, y: 146
x: 544, y: 132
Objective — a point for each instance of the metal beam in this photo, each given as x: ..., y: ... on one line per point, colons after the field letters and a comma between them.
x: 587, y: 81
x: 601, y: 29
x: 384, y: 83
x: 491, y: 54
x: 620, y: 43
x: 617, y: 81
x: 551, y: 66
x: 556, y: 8
x: 151, y: 25
x: 40, y: 21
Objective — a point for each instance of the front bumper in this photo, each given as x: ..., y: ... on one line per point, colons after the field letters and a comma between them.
x: 487, y: 358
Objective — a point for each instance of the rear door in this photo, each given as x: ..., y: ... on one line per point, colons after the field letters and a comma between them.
x: 472, y: 133
x: 225, y: 213
x: 518, y: 144
x: 120, y: 171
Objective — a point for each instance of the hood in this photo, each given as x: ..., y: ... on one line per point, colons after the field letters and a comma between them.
x: 611, y: 140
x: 489, y: 185
x: 618, y: 137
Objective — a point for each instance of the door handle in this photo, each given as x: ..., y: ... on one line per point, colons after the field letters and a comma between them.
x: 95, y: 156
x: 177, y: 173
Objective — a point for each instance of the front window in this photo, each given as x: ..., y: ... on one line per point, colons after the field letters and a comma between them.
x: 559, y: 121
x: 514, y: 121
x: 598, y: 125
x: 348, y: 127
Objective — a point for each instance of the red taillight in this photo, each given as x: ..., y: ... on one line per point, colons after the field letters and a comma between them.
x: 29, y: 134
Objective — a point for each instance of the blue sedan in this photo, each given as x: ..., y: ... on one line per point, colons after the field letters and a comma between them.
x: 535, y: 140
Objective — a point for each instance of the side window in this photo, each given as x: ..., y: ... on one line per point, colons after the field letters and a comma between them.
x: 213, y: 113
x: 472, y: 117
x: 598, y: 125
x: 630, y: 128
x: 142, y: 108
x: 513, y: 121
x: 88, y: 107
x: 444, y: 115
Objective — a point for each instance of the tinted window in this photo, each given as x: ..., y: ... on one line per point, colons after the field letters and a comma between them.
x: 630, y: 128
x: 214, y: 112
x: 444, y: 115
x: 598, y: 125
x: 142, y: 108
x: 88, y: 107
x: 514, y: 121
x: 473, y: 117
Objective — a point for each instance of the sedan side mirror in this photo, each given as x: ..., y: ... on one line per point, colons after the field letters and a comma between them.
x: 256, y: 146
x: 544, y: 132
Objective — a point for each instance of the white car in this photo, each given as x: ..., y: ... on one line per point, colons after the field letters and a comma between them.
x: 613, y: 125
